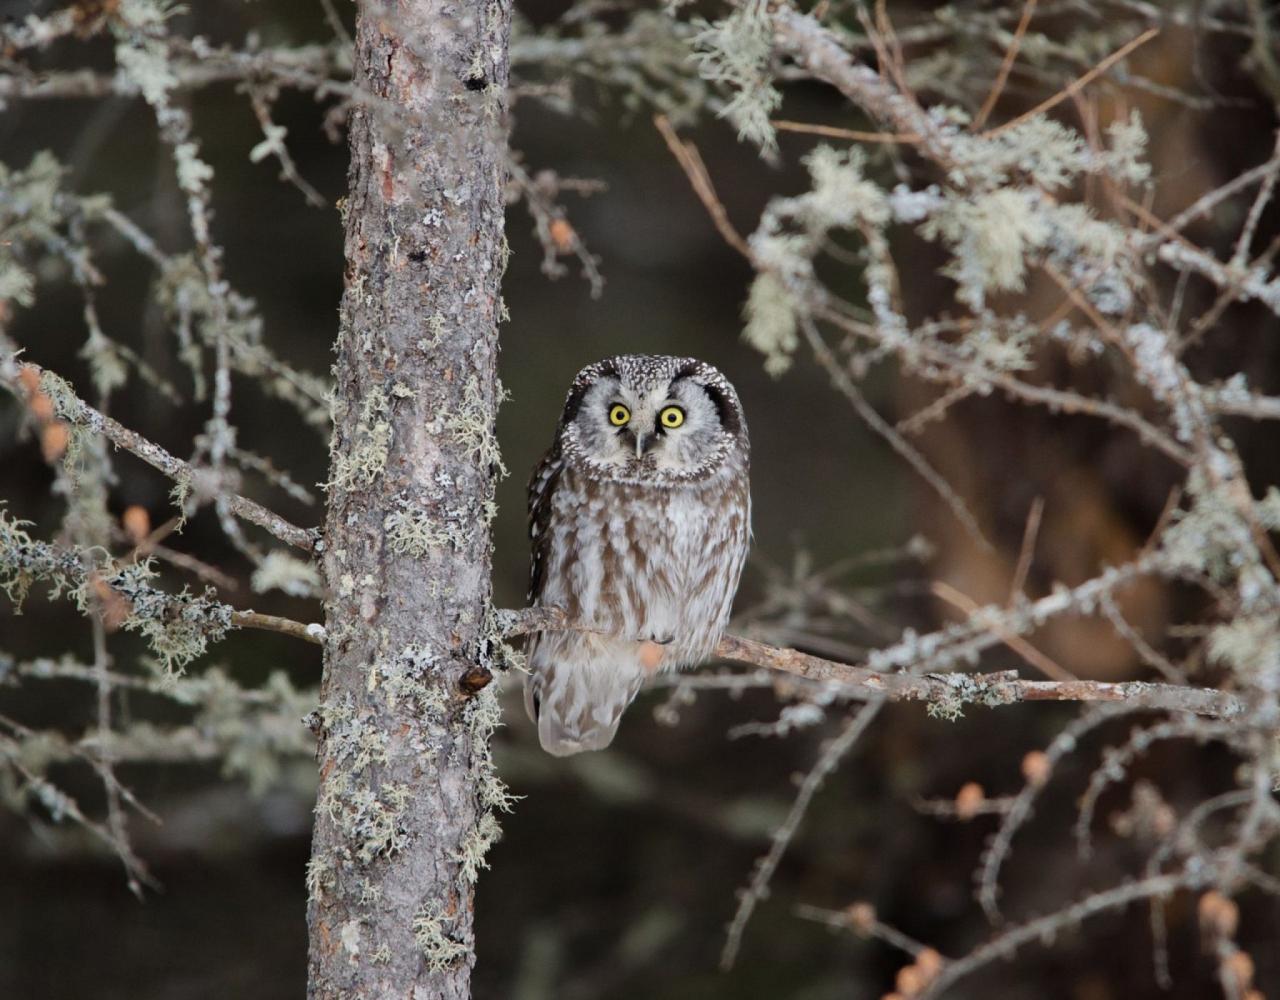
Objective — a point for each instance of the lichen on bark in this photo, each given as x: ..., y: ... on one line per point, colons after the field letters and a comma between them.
x: 406, y: 786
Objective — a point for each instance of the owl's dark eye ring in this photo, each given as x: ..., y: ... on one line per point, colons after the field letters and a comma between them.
x: 671, y: 417
x: 619, y: 415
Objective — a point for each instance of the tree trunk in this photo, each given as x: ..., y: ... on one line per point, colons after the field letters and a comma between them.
x: 406, y: 787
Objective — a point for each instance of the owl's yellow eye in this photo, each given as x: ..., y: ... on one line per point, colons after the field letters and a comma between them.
x: 672, y: 416
x: 619, y: 415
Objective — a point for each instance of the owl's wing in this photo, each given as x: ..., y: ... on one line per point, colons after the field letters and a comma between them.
x: 542, y: 487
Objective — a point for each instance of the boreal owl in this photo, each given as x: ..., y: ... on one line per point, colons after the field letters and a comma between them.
x: 640, y: 516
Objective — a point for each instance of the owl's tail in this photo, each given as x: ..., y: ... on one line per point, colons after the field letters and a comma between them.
x: 577, y: 708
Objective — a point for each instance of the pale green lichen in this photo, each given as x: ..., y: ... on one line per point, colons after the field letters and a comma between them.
x: 31, y: 213
x: 145, y: 62
x: 281, y: 571
x: 321, y: 877
x: 272, y: 143
x: 180, y: 497
x: 255, y: 743
x: 366, y: 459
x: 23, y: 561
x: 1249, y: 646
x: 1269, y: 509
x: 1209, y: 537
x: 178, y: 627
x: 472, y: 856
x: 793, y: 231
x: 193, y: 173
x: 948, y: 709
x: 439, y: 949
x: 482, y: 716
x: 990, y: 237
x: 372, y: 821
x: 472, y: 429
x: 409, y: 676
x: 349, y: 935
x: 735, y: 52
x: 771, y: 323
x: 413, y: 530
x: 436, y: 328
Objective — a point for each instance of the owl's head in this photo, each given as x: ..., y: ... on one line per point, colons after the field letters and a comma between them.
x: 653, y: 418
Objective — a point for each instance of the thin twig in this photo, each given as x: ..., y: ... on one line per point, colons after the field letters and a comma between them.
x: 834, y: 132
x: 686, y: 155
x: 1043, y: 928
x: 1078, y: 83
x: 273, y: 623
x: 845, y: 385
x: 1028, y: 10
x: 75, y: 410
x: 831, y: 756
x: 1027, y: 551
x: 1019, y: 645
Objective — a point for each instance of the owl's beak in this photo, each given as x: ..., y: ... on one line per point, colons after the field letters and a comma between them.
x: 640, y: 440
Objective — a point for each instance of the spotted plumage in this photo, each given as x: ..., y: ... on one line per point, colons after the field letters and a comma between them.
x: 640, y: 520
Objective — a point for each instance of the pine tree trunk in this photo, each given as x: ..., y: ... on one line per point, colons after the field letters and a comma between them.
x: 402, y: 817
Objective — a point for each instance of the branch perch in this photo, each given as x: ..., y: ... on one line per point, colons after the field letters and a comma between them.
x: 993, y: 689
x: 1001, y: 688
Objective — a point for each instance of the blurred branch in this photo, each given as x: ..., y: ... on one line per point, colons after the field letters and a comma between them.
x: 1003, y: 945
x: 75, y: 410
x: 762, y: 874
x: 322, y: 67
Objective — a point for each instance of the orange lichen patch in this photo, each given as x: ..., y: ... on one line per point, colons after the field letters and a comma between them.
x: 562, y: 235
x: 54, y: 440
x: 909, y: 981
x: 41, y: 407
x: 929, y: 961
x: 1238, y: 966
x: 113, y: 607
x: 30, y: 379
x: 861, y: 917
x: 1219, y: 916
x: 969, y: 800
x: 651, y: 656
x: 914, y: 979
x: 136, y: 523
x: 1035, y: 768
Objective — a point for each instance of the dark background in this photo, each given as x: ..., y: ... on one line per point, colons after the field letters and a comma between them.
x: 618, y: 871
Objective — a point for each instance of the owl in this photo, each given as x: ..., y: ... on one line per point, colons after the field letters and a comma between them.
x: 640, y: 516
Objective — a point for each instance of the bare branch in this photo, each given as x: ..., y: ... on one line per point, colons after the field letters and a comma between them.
x: 273, y: 623
x: 944, y: 689
x: 72, y: 408
x: 830, y: 757
x: 1002, y: 688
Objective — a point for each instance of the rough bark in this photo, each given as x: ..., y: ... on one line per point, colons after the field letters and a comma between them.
x: 402, y: 817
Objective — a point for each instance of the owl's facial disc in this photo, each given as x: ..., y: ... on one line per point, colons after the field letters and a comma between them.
x: 670, y: 426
